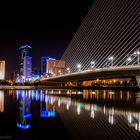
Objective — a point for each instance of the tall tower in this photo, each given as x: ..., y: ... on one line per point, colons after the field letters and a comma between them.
x: 27, y: 68
x: 25, y: 62
x: 24, y: 51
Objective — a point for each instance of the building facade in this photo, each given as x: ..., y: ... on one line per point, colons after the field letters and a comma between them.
x: 27, y: 68
x: 2, y: 70
x: 24, y: 51
x: 43, y: 64
x: 44, y: 60
x: 55, y: 67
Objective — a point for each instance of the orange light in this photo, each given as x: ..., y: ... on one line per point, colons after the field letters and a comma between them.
x: 114, y: 81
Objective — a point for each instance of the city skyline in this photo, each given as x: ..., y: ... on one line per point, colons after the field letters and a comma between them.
x: 49, y: 30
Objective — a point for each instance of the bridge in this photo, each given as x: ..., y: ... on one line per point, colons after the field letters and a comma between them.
x: 99, y: 73
x: 106, y: 44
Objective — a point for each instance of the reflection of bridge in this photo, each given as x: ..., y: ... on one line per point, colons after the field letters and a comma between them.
x: 91, y: 74
x: 132, y: 118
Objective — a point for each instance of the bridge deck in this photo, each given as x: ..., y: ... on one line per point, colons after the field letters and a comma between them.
x: 109, y: 72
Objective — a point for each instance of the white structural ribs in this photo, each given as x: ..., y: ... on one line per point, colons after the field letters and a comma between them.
x: 110, y: 29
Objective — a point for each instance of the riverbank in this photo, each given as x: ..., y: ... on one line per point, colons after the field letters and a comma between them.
x: 74, y: 88
x: 17, y: 87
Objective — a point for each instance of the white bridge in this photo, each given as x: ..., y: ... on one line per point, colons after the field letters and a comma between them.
x: 101, y: 73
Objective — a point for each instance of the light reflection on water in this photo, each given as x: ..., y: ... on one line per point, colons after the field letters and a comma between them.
x: 51, y: 103
x: 1, y: 101
x: 48, y: 108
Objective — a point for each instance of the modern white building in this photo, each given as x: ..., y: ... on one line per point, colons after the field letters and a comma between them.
x: 2, y: 70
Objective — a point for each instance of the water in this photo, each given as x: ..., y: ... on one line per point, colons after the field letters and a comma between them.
x: 69, y: 114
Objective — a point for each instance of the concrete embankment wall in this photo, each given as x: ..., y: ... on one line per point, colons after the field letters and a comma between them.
x: 17, y: 87
x: 59, y: 87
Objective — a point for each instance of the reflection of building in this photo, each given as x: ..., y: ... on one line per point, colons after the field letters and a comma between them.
x: 44, y: 63
x: 1, y: 101
x: 55, y: 67
x: 2, y: 70
x: 27, y: 67
x: 47, y: 109
x: 24, y: 109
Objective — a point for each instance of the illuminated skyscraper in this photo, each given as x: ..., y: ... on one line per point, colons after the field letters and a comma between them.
x: 27, y: 68
x: 24, y: 51
x: 2, y: 70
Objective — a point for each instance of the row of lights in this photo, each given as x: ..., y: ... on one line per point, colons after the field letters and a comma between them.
x: 93, y: 63
x: 137, y: 53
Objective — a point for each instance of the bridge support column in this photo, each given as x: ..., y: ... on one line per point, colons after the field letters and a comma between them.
x: 138, y: 80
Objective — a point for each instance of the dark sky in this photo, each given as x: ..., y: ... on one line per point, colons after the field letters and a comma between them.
x: 47, y: 27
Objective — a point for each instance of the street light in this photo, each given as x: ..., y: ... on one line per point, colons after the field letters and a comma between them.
x: 79, y: 67
x: 111, y: 60
x: 68, y: 69
x: 92, y: 64
x: 128, y: 60
x: 137, y: 53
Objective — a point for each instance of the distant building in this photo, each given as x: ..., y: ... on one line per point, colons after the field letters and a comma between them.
x: 44, y: 60
x: 27, y: 68
x: 43, y: 64
x: 2, y: 70
x: 24, y: 51
x: 55, y: 67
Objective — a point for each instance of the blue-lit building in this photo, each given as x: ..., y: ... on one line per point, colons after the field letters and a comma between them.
x: 24, y: 51
x: 25, y: 73
x: 27, y: 68
x: 43, y: 64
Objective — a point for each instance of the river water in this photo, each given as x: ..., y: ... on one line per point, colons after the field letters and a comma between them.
x: 69, y: 114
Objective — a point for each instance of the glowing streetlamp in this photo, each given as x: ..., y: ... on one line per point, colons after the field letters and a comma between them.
x: 92, y: 64
x: 111, y: 60
x: 68, y: 69
x: 128, y: 60
x: 79, y: 67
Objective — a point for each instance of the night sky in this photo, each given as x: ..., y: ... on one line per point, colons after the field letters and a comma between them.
x: 47, y: 27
